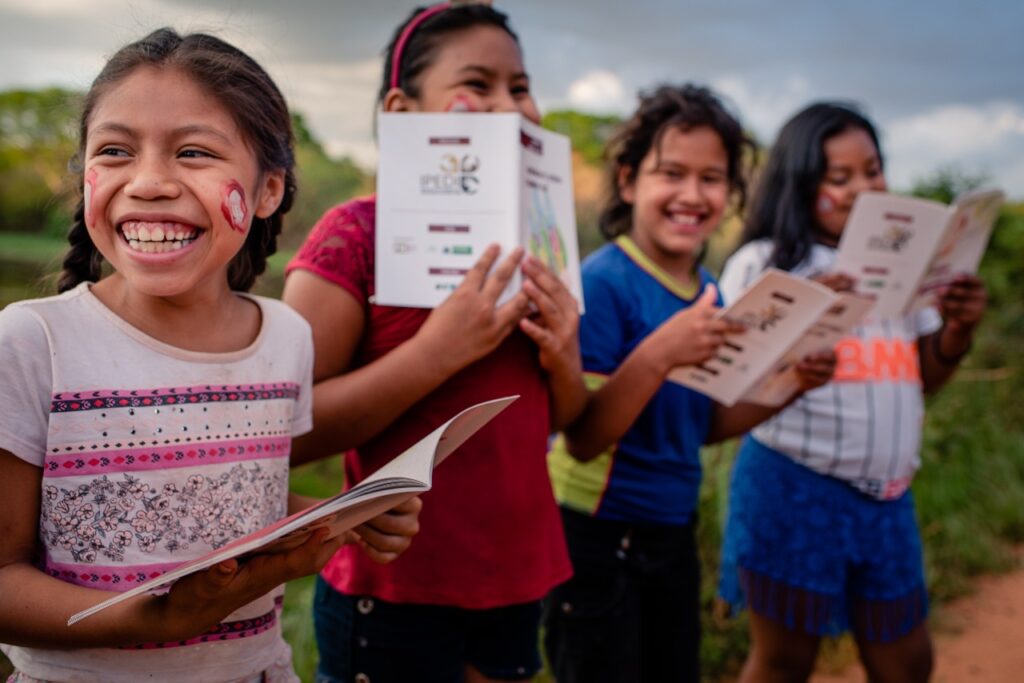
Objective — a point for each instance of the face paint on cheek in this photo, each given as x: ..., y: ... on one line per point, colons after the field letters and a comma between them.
x: 461, y: 103
x: 232, y: 205
x: 88, y: 190
x: 826, y: 204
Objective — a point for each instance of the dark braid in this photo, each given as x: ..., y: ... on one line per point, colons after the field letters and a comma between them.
x: 246, y: 91
x: 82, y: 261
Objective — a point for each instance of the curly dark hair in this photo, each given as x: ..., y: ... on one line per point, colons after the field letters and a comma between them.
x: 684, y: 107
x: 245, y: 90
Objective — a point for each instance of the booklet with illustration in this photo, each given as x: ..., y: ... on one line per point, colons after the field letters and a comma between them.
x: 448, y: 185
x: 407, y: 475
x: 902, y: 250
x: 786, y: 317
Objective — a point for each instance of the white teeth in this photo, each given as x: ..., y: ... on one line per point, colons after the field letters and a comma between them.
x: 157, y: 234
x: 143, y: 233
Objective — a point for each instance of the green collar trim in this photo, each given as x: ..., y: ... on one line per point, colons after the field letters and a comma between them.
x: 686, y: 293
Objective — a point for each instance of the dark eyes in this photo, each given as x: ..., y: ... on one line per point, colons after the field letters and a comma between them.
x: 194, y: 154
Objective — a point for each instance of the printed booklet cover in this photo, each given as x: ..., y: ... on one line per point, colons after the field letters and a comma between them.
x: 407, y: 475
x: 902, y: 249
x: 448, y: 185
x: 786, y: 317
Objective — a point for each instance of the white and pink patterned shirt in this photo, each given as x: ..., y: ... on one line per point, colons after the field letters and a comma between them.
x: 151, y: 456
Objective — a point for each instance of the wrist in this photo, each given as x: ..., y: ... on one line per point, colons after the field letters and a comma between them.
x: 951, y: 344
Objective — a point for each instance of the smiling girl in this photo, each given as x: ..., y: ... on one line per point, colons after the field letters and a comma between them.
x: 628, y: 470
x: 150, y: 411
x: 464, y: 603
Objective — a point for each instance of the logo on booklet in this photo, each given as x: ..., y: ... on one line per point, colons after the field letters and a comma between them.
x: 894, y: 239
x: 764, y: 319
x: 456, y: 175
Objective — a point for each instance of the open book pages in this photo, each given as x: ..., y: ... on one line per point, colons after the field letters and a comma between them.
x: 902, y: 249
x: 449, y: 185
x: 407, y: 475
x: 778, y: 310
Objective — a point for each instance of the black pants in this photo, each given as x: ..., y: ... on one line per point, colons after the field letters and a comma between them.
x: 631, y: 611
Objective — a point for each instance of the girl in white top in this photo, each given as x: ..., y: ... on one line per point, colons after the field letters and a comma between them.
x: 148, y: 415
x: 821, y: 535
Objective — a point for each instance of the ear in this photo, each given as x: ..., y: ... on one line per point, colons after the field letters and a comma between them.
x: 397, y: 100
x: 626, y: 180
x: 270, y: 192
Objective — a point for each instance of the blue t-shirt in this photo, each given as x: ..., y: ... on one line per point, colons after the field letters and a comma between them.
x: 653, y: 473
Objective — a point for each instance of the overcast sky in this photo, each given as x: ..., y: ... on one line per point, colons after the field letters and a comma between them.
x: 944, y: 80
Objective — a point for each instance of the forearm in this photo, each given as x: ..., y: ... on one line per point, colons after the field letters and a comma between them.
x: 940, y: 354
x: 35, y: 608
x: 568, y: 397
x: 728, y: 422
x: 352, y: 408
x: 613, y: 408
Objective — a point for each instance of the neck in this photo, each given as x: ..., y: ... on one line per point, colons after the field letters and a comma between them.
x: 227, y: 322
x: 680, y: 266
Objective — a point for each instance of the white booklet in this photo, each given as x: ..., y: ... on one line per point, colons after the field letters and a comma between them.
x: 786, y: 317
x: 448, y: 185
x: 407, y: 475
x: 902, y: 249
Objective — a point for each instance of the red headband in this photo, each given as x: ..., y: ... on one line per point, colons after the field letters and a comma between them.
x: 396, y: 54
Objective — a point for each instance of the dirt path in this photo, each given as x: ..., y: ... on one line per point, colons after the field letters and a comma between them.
x: 977, y: 638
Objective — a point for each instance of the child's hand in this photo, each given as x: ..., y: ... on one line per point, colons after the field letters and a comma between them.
x: 693, y: 335
x: 816, y: 369
x: 387, y: 536
x: 468, y: 325
x: 555, y: 326
x: 200, y: 601
x: 962, y: 303
x: 837, y: 282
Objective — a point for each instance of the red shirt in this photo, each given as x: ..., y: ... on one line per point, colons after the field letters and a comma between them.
x: 490, y: 532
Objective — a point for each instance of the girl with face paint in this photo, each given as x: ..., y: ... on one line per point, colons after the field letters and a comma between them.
x: 821, y: 535
x: 151, y: 405
x: 465, y: 605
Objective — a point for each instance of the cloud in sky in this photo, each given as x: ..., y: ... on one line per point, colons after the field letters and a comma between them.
x: 942, y: 79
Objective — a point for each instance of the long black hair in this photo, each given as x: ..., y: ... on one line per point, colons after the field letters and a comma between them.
x: 245, y: 90
x: 782, y: 206
x: 684, y: 107
x: 421, y: 46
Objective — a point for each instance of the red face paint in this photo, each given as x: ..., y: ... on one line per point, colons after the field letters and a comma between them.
x: 232, y: 205
x: 461, y: 103
x: 87, y: 194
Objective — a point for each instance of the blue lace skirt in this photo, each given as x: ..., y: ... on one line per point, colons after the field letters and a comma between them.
x: 814, y: 554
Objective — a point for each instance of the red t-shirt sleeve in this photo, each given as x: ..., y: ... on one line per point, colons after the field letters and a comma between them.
x: 339, y: 248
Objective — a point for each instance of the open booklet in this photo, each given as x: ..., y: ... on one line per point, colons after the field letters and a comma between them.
x: 786, y: 318
x: 407, y: 475
x: 449, y: 185
x: 902, y: 249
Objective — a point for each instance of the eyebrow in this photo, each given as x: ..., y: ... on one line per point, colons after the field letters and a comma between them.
x: 490, y: 72
x: 182, y: 131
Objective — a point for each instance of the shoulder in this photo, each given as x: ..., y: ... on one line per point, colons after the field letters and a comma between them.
x: 752, y: 255
x: 354, y: 216
x: 606, y: 270
x: 281, y: 318
x: 32, y: 319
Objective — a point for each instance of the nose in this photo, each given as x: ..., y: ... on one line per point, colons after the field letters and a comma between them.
x: 152, y: 179
x: 690, y: 190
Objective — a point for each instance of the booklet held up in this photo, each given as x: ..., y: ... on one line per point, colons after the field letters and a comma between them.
x: 901, y: 250
x: 407, y: 475
x: 449, y: 185
x: 786, y: 318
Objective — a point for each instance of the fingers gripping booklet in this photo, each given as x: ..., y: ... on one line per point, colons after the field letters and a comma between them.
x: 407, y: 475
x: 786, y: 318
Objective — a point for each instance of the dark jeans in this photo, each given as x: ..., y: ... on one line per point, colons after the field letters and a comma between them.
x: 364, y: 638
x: 631, y: 611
